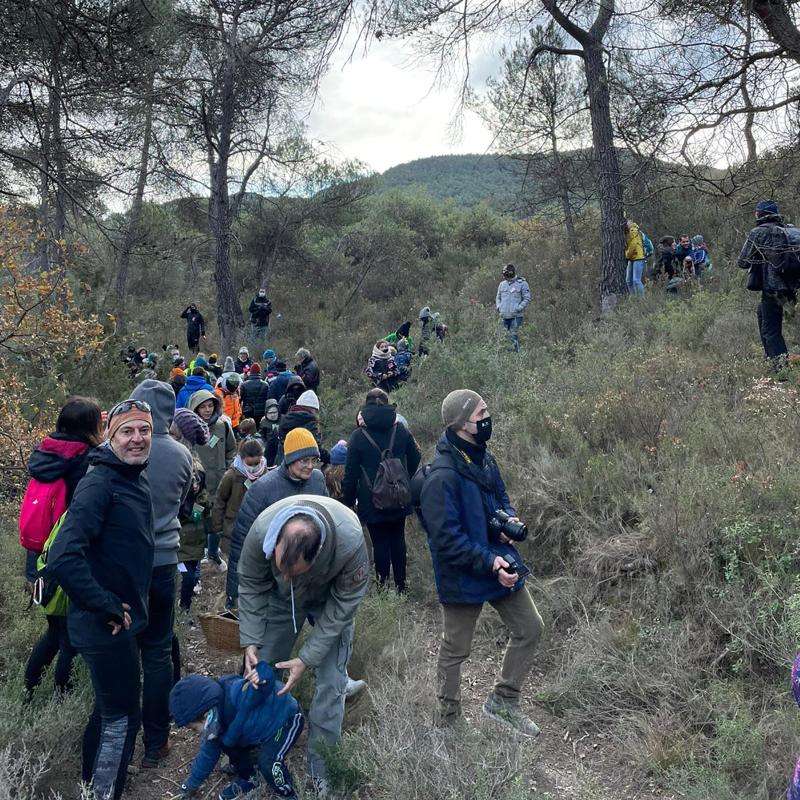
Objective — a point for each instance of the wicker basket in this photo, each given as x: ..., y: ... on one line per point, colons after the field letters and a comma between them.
x: 221, y: 630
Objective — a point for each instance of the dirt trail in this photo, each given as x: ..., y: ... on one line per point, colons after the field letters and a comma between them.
x: 569, y: 765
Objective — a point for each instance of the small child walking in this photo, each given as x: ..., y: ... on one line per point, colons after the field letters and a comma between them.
x: 248, y: 466
x: 234, y: 718
x: 193, y: 516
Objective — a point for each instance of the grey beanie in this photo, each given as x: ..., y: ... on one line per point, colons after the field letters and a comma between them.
x: 458, y: 406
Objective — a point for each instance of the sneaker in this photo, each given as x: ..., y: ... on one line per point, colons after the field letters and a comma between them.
x: 511, y: 716
x: 237, y: 788
x: 153, y: 760
x: 198, y: 587
x: 219, y: 564
x: 354, y: 688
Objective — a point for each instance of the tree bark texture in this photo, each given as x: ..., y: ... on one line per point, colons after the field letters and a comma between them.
x: 776, y: 18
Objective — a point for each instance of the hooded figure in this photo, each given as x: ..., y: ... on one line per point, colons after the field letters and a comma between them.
x: 195, y: 326
x: 193, y: 384
x: 218, y: 454
x: 260, y: 310
x: 294, y: 388
x: 307, y: 369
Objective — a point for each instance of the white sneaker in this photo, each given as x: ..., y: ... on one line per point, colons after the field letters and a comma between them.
x: 219, y: 565
x: 354, y: 688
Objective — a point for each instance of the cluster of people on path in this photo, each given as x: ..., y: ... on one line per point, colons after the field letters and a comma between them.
x: 681, y: 260
x: 222, y: 468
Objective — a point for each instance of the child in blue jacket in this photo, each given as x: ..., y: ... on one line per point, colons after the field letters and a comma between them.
x: 235, y: 718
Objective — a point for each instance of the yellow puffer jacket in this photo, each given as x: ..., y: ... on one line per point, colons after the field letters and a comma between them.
x: 634, y: 249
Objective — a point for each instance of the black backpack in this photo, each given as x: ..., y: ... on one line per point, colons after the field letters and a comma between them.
x: 391, y: 489
x: 789, y: 267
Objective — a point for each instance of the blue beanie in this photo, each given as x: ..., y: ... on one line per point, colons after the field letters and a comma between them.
x: 339, y: 452
x: 200, y: 362
x: 268, y: 355
x: 192, y: 696
x: 767, y: 207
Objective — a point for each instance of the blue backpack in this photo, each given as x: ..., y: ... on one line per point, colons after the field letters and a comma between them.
x: 647, y: 245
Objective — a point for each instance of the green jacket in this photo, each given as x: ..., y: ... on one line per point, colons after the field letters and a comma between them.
x: 218, y: 458
x: 331, y: 590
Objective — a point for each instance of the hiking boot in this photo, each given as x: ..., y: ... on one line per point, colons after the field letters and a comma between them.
x: 237, y: 788
x: 354, y: 688
x: 510, y: 715
x: 153, y: 760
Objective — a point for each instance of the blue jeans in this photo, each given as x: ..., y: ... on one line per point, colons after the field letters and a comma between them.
x: 512, y: 326
x: 189, y: 580
x: 633, y: 276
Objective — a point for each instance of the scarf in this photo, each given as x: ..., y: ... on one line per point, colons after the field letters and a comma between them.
x: 378, y: 353
x: 250, y: 473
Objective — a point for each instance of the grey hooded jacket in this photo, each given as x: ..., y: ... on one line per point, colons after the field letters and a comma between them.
x: 331, y: 590
x: 169, y: 470
x: 512, y: 297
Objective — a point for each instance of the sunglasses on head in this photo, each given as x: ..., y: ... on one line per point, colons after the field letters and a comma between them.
x: 127, y: 405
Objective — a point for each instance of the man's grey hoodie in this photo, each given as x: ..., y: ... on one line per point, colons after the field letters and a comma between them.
x: 169, y: 470
x: 268, y: 489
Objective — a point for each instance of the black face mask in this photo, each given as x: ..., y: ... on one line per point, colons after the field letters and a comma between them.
x: 484, y: 430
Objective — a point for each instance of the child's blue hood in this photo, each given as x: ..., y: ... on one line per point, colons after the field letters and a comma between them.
x: 194, y: 696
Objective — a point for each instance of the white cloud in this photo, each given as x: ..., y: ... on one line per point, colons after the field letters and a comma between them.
x: 384, y: 108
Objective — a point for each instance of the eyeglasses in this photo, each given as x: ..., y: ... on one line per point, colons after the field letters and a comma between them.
x: 311, y: 461
x: 127, y: 405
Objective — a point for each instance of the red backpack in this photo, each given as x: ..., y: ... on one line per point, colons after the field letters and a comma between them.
x: 42, y: 507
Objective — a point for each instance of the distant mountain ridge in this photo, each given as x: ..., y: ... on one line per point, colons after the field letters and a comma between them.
x: 467, y: 179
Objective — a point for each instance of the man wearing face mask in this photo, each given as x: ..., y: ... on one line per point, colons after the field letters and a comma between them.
x: 260, y: 309
x: 461, y: 492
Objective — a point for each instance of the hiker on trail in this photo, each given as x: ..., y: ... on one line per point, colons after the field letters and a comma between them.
x: 683, y: 248
x: 381, y: 368
x: 228, y: 391
x: 294, y: 388
x: 248, y: 466
x: 213, y: 367
x: 402, y: 360
x: 460, y: 495
x: 700, y: 257
x: 189, y: 430
x: 403, y: 332
x: 370, y: 451
x: 243, y: 360
x: 334, y: 472
x: 666, y: 257
x: 763, y: 255
x: 304, y: 414
x: 235, y: 717
x: 194, y: 383
x: 169, y: 473
x: 307, y: 369
x: 56, y: 467
x: 216, y: 456
x: 277, y: 386
x: 103, y: 560
x: 268, y: 431
x: 298, y: 474
x: 254, y: 393
x: 260, y: 309
x: 303, y: 557
x: 195, y: 327
x: 513, y: 297
x: 177, y: 381
x: 428, y: 323
x: 270, y: 361
x: 634, y: 258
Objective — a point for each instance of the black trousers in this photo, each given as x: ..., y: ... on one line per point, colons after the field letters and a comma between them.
x: 389, y: 550
x: 54, y: 644
x: 770, y: 325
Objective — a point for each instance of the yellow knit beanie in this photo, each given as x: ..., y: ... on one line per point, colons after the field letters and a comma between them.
x: 299, y: 443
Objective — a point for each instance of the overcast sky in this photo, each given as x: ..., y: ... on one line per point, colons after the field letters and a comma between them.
x: 384, y: 109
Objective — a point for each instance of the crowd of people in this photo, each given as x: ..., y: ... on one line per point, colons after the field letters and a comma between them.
x: 222, y: 468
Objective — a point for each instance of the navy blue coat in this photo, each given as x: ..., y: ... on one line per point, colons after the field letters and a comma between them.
x: 238, y: 718
x: 457, y: 499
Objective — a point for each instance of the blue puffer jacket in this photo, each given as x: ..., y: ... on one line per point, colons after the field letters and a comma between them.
x: 193, y: 384
x: 457, y: 499
x: 236, y: 717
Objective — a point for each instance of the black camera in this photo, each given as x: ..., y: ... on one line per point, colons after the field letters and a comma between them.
x: 515, y: 567
x: 500, y: 522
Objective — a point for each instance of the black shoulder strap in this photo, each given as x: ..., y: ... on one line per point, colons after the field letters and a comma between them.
x: 371, y: 440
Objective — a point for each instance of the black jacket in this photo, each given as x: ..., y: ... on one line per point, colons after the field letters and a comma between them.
x: 103, y: 554
x: 195, y: 324
x: 254, y: 393
x: 363, y: 456
x: 303, y: 419
x: 240, y: 365
x: 294, y: 388
x: 260, y: 309
x: 762, y: 252
x: 308, y: 370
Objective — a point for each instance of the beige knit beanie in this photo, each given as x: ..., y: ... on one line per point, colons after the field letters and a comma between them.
x: 458, y: 406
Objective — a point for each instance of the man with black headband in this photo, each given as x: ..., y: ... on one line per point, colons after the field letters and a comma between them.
x: 304, y: 556
x: 475, y: 563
